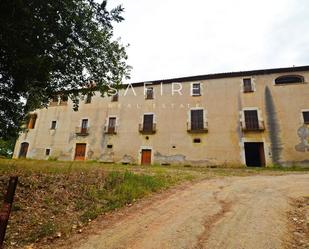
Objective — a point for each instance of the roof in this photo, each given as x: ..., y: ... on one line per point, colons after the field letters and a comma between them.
x: 226, y: 75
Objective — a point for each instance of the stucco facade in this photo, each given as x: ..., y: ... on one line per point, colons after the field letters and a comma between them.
x: 283, y: 133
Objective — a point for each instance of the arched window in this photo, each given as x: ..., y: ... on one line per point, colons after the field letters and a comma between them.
x: 289, y: 79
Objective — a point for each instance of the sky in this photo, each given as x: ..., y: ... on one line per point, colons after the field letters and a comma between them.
x: 175, y: 38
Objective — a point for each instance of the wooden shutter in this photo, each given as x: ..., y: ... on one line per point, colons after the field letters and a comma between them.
x: 251, y: 120
x: 111, y: 125
x: 197, y: 120
x: 148, y: 122
x: 247, y: 85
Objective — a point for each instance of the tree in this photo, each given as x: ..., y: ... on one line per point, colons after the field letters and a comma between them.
x: 53, y: 46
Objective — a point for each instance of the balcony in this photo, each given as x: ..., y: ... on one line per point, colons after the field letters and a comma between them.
x: 197, y: 128
x: 147, y: 129
x: 80, y: 131
x: 248, y: 89
x: 112, y: 130
x: 256, y: 126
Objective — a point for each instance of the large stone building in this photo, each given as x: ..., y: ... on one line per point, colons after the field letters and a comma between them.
x: 253, y: 118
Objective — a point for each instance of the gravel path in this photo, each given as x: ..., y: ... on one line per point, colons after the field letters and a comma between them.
x: 227, y: 213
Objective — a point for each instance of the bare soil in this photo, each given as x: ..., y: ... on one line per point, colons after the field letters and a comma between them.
x: 232, y: 212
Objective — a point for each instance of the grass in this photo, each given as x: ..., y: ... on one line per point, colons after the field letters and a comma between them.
x: 55, y: 197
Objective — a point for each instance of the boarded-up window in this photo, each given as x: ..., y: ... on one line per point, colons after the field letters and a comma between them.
x: 306, y: 117
x: 247, y: 85
x: 148, y: 122
x: 251, y: 119
x: 197, y: 120
x: 196, y: 89
x: 149, y: 93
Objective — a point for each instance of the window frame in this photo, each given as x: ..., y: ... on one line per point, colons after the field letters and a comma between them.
x: 115, y: 97
x: 152, y: 124
x: 259, y: 115
x: 88, y: 99
x: 205, y: 121
x: 245, y: 90
x: 306, y: 122
x: 151, y: 96
x: 56, y: 124
x: 47, y: 149
x: 301, y: 77
x: 250, y: 122
x: 192, y: 89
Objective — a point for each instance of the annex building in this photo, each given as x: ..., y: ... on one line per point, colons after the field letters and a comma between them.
x: 253, y: 118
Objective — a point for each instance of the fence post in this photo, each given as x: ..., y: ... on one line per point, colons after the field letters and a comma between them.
x: 6, y: 208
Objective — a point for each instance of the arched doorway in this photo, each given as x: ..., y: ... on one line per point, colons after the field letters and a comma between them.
x: 23, y: 150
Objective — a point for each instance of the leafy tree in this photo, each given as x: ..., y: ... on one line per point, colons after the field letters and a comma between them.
x: 52, y: 46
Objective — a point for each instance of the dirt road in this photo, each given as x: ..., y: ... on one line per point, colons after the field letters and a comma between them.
x: 232, y: 213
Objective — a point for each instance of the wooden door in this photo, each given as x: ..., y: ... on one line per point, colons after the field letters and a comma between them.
x: 80, y: 152
x: 23, y: 150
x: 146, y: 157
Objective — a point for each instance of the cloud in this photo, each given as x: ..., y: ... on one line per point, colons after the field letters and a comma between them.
x: 173, y: 38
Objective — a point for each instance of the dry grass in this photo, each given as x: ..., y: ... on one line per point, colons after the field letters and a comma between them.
x: 55, y: 198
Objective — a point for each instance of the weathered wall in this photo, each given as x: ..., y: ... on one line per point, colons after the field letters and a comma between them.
x: 285, y: 137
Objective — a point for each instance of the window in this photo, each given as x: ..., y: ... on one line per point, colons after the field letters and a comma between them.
x: 115, y: 97
x: 47, y: 152
x: 111, y: 125
x: 84, y: 126
x: 306, y: 117
x: 247, y: 84
x: 196, y: 89
x: 109, y: 146
x: 197, y: 120
x: 251, y: 120
x: 289, y: 79
x: 23, y: 150
x: 196, y: 140
x: 64, y: 98
x: 53, y: 125
x: 32, y: 121
x: 55, y: 99
x: 88, y: 99
x: 148, y: 123
x: 149, y: 93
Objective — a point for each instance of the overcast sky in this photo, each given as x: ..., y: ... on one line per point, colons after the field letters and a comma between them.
x: 173, y: 38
